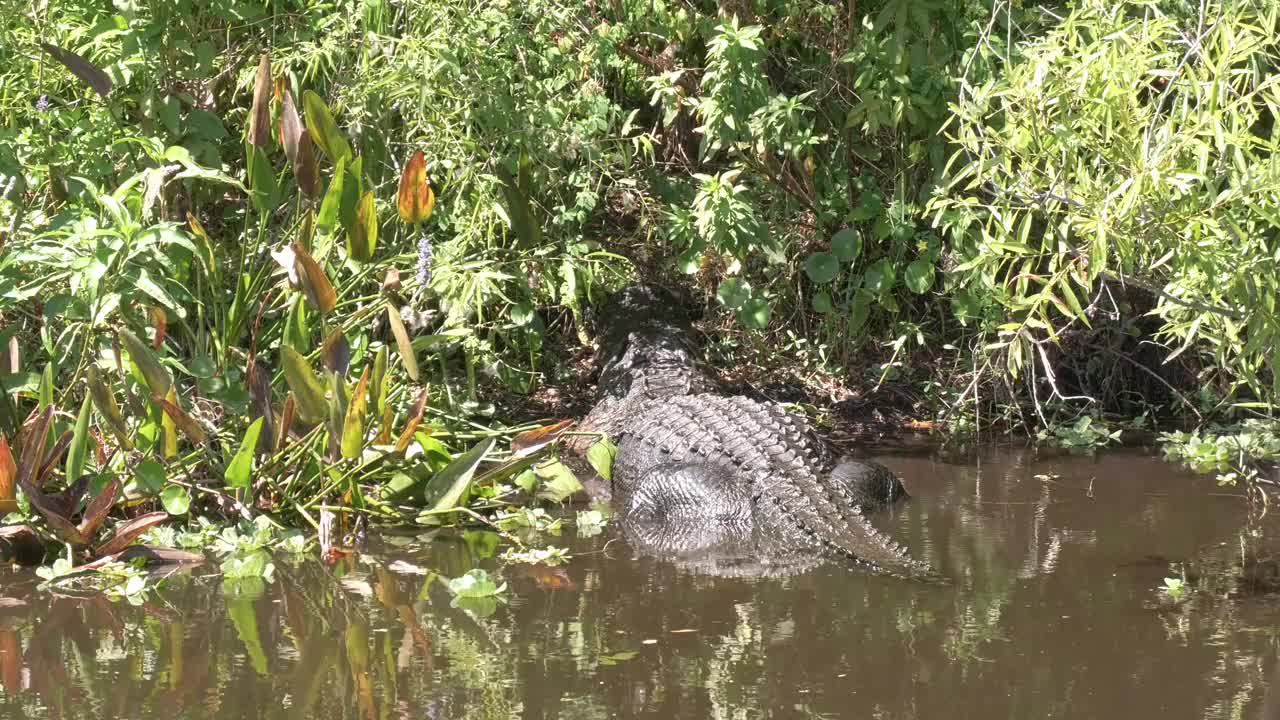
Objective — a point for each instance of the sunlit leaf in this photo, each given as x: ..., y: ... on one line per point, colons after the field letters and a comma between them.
x: 78, y: 450
x: 601, y: 455
x: 455, y: 479
x: 180, y: 417
x: 306, y: 275
x: 263, y: 184
x: 530, y: 441
x: 88, y: 73
x: 289, y: 125
x: 176, y: 500
x: 353, y: 426
x: 260, y: 111
x: 558, y: 481
x: 821, y: 267
x: 362, y: 240
x: 157, y: 378
x: 402, y: 342
x: 323, y: 130
x: 159, y: 326
x: 411, y: 425
x: 307, y: 390
x: 327, y: 219
x: 415, y: 199
x: 241, y: 465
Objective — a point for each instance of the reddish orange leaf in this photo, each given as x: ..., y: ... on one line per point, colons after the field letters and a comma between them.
x: 8, y: 479
x: 415, y: 200
x: 415, y: 417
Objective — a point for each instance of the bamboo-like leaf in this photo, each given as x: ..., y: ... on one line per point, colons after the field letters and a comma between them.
x: 415, y: 419
x: 8, y: 479
x: 153, y: 373
x: 260, y: 112
x: 362, y: 240
x: 353, y: 427
x: 88, y: 73
x: 180, y: 417
x: 79, y: 448
x: 307, y: 391
x: 105, y: 401
x: 241, y: 466
x: 414, y: 198
x: 323, y: 130
x: 128, y: 532
x: 402, y: 342
x: 204, y: 246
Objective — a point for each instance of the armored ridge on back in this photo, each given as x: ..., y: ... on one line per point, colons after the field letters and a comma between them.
x: 725, y: 484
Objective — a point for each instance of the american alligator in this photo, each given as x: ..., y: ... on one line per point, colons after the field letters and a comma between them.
x: 725, y: 485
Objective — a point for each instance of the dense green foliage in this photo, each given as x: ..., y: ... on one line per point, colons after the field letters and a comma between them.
x: 1007, y: 208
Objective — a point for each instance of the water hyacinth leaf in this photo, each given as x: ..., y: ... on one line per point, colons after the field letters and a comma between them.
x: 402, y: 342
x: 241, y: 466
x: 414, y: 198
x: 87, y: 72
x: 411, y: 426
x: 150, y: 476
x: 260, y: 111
x: 307, y: 391
x: 8, y: 479
x: 558, y: 481
x: 189, y: 426
x: 362, y: 239
x: 323, y: 130
x: 353, y: 427
x: 154, y: 374
x: 601, y: 455
x: 821, y: 303
x: 78, y: 450
x: 327, y: 219
x: 476, y: 583
x: 455, y: 478
x: 176, y: 500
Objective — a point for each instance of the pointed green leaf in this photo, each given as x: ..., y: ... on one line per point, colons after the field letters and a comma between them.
x: 105, y: 401
x: 323, y: 130
x: 454, y: 481
x: 157, y: 378
x: 601, y: 455
x: 241, y: 466
x: 402, y: 342
x: 353, y: 427
x: 76, y: 453
x: 327, y: 219
x: 176, y: 500
x: 312, y: 406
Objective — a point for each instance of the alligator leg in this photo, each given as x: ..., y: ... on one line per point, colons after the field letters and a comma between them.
x: 865, y: 485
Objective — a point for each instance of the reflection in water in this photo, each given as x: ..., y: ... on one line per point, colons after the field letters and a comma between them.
x: 1053, y: 613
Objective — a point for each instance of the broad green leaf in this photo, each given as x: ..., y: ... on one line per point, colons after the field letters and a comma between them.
x: 327, y: 219
x: 822, y: 267
x: 476, y: 583
x: 558, y: 481
x: 454, y: 482
x: 263, y: 184
x: 919, y: 275
x: 601, y: 455
x: 241, y: 466
x: 821, y: 302
x: 733, y: 293
x: 150, y: 476
x: 77, y: 451
x: 846, y: 245
x: 755, y: 313
x: 323, y: 130
x: 306, y: 387
x: 176, y: 500
x: 878, y: 278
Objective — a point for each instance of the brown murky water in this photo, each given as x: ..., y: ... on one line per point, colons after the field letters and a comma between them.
x: 1053, y: 613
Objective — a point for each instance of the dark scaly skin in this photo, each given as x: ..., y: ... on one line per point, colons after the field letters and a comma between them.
x: 725, y: 485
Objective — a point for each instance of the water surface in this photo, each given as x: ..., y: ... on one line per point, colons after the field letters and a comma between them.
x: 1053, y: 612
